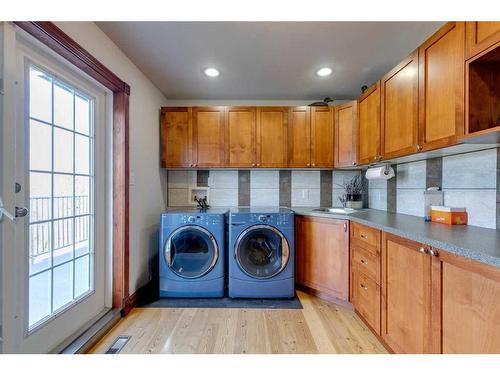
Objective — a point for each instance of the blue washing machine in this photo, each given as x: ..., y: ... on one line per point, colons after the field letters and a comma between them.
x: 261, y: 253
x: 192, y: 254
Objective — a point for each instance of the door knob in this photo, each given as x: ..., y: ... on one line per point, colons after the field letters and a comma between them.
x: 19, y: 212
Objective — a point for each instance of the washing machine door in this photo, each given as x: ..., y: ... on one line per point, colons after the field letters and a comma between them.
x: 191, y: 251
x: 261, y: 251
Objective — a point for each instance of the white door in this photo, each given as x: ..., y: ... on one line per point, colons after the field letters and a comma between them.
x: 55, y: 166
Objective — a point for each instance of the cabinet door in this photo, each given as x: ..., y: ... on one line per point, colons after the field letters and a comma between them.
x: 369, y: 125
x: 399, y: 109
x: 480, y: 36
x: 299, y: 137
x: 176, y: 133
x: 240, y: 137
x: 407, y: 297
x: 345, y: 134
x: 470, y: 307
x: 208, y: 136
x: 272, y: 137
x: 324, y: 256
x: 441, y: 86
x: 321, y: 137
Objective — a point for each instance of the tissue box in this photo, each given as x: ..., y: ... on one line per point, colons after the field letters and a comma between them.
x: 449, y: 215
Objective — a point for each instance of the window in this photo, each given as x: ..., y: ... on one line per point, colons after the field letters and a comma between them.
x: 61, y: 174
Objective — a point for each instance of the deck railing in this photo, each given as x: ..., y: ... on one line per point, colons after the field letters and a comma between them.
x: 65, y: 234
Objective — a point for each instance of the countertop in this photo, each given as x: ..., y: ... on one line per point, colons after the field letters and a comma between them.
x: 480, y: 244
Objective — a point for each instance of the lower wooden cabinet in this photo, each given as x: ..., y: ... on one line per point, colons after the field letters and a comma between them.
x: 322, y: 252
x: 470, y: 306
x: 407, y: 303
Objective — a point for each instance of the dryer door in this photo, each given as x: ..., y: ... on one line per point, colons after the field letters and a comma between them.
x: 191, y: 251
x: 261, y: 251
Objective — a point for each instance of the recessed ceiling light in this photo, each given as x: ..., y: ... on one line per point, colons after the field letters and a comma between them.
x: 211, y: 72
x: 323, y: 72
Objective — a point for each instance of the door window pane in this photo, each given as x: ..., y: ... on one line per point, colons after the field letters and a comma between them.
x: 82, y: 115
x: 82, y: 154
x: 82, y: 275
x: 40, y: 247
x: 82, y: 195
x: 63, y: 241
x: 40, y: 95
x: 63, y: 107
x: 40, y: 196
x: 61, y: 259
x: 63, y: 151
x: 40, y: 146
x: 63, y: 285
x: 40, y: 297
x: 82, y: 245
x: 63, y: 195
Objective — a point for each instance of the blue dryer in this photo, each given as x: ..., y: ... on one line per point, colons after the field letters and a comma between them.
x: 261, y: 253
x: 192, y: 254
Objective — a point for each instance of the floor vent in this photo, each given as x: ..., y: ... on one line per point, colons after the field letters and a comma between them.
x: 118, y: 345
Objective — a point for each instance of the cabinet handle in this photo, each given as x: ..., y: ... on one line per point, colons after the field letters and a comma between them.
x: 363, y: 286
x: 422, y: 250
x: 308, y: 164
x: 313, y: 164
x: 364, y: 262
x: 258, y: 164
x: 253, y: 164
x: 364, y: 236
x: 433, y: 253
x: 354, y: 163
x: 419, y: 148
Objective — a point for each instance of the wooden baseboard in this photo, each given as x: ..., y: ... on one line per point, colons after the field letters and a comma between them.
x: 145, y: 294
x: 325, y: 296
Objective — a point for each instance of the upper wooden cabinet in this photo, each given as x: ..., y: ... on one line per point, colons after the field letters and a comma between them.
x: 272, y: 137
x: 399, y: 109
x: 240, y: 140
x: 322, y: 137
x: 322, y: 247
x: 480, y: 36
x: 176, y: 137
x: 408, y: 311
x: 299, y: 137
x: 345, y: 134
x: 369, y: 125
x: 208, y: 137
x: 441, y: 75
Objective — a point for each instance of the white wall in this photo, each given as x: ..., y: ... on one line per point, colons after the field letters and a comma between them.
x: 146, y: 198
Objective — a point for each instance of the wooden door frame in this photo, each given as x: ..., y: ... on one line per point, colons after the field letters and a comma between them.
x: 54, y: 38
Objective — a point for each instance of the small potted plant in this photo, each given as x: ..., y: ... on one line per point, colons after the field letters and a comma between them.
x: 353, y: 197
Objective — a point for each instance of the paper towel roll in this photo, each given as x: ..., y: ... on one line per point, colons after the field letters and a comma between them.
x: 380, y: 173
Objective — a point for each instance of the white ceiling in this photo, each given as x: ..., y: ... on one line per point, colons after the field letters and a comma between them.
x: 266, y: 60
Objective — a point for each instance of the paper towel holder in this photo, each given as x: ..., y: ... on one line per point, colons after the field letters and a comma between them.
x: 388, y: 171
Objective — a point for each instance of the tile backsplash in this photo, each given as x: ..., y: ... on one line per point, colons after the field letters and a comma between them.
x: 259, y: 187
x: 468, y: 180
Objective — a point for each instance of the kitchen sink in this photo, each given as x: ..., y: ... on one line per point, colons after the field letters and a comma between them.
x: 335, y: 210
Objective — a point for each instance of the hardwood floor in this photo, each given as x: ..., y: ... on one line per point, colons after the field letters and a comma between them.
x: 321, y: 327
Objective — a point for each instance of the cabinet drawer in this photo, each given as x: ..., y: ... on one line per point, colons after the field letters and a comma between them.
x: 366, y: 298
x: 366, y: 262
x: 366, y: 237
